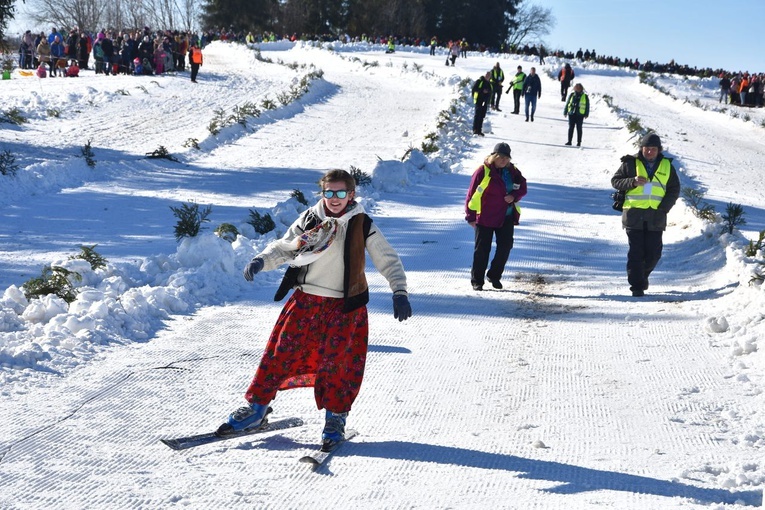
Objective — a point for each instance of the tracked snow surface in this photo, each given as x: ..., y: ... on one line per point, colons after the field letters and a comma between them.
x: 560, y: 391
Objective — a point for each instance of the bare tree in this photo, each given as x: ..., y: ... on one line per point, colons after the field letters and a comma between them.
x: 92, y: 15
x: 529, y: 25
x: 134, y: 13
x: 85, y: 14
x: 188, y: 14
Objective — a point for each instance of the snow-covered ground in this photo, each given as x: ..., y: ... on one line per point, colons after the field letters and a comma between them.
x: 561, y: 391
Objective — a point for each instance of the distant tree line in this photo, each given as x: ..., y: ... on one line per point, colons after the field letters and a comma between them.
x: 486, y: 22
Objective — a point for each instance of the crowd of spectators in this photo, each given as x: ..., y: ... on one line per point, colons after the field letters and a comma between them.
x: 144, y: 51
x: 140, y: 51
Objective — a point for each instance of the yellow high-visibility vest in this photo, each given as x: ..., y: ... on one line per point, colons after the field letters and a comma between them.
x: 518, y: 82
x: 650, y: 194
x: 475, y: 201
x: 571, y: 107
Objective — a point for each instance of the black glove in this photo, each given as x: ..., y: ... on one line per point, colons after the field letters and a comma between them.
x: 402, y: 310
x: 253, y: 268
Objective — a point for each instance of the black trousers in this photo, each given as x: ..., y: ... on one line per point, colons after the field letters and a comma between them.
x: 482, y: 251
x: 194, y: 71
x: 496, y: 95
x: 643, y: 255
x: 480, y: 113
x: 563, y: 90
x: 575, y: 120
x: 516, y: 100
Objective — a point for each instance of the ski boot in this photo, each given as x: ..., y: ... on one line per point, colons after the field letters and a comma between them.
x: 334, y: 429
x: 246, y: 418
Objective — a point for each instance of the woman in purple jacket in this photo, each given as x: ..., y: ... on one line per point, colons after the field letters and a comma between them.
x: 491, y: 208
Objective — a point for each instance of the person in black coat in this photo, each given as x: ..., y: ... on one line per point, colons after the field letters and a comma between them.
x: 724, y: 88
x: 83, y: 51
x: 146, y: 49
x: 577, y: 109
x: 482, y: 91
x: 108, y: 48
x: 71, y: 45
x: 652, y: 187
x: 127, y: 53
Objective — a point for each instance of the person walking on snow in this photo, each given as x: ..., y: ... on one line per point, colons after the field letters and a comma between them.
x: 491, y: 208
x: 482, y: 90
x: 577, y: 109
x: 532, y: 90
x: 517, y: 86
x: 652, y: 188
x: 566, y: 76
x: 454, y: 52
x: 320, y: 338
x: 497, y: 78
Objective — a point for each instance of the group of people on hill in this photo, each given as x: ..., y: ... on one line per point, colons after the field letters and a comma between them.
x: 138, y: 52
x: 487, y: 90
x: 742, y: 89
x: 487, y: 93
x: 588, y: 55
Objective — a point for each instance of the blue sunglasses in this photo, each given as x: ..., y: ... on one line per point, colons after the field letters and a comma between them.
x: 328, y: 193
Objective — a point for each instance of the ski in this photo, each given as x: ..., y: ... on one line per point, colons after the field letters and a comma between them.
x: 182, y: 443
x: 320, y: 456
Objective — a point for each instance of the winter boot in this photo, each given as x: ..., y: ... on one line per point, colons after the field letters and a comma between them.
x: 251, y: 416
x: 334, y: 428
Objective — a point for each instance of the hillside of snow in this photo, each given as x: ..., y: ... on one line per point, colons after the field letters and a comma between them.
x: 560, y: 391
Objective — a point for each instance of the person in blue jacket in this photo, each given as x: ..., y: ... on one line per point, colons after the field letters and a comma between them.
x: 57, y: 54
x: 532, y: 90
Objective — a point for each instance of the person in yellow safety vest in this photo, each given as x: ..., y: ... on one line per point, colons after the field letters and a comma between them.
x: 250, y: 39
x: 481, y: 96
x: 433, y: 43
x: 391, y: 46
x: 491, y: 208
x: 497, y: 79
x: 517, y: 87
x: 577, y: 109
x: 195, y: 60
x: 651, y: 187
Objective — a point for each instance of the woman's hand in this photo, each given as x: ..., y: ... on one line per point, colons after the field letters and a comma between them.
x: 509, y: 199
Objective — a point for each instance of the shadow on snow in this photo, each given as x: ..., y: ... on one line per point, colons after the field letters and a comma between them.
x: 571, y: 479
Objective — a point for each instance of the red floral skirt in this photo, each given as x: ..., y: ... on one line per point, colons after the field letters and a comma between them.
x: 314, y: 344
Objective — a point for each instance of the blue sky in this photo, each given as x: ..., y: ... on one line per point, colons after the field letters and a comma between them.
x: 699, y: 33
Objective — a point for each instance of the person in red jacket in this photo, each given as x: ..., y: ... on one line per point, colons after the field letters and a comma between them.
x: 565, y: 77
x: 491, y: 208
